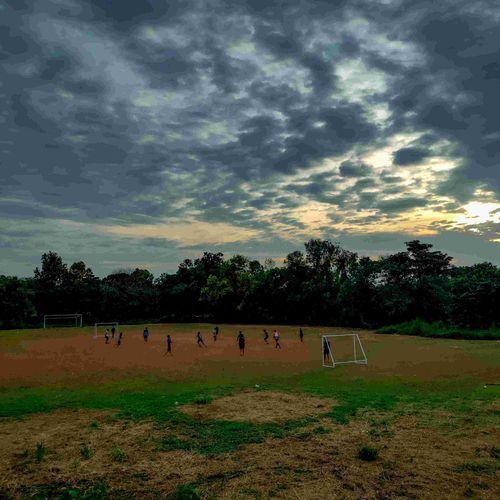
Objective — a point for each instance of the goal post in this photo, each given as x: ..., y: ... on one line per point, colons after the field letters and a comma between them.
x: 100, y: 326
x: 76, y: 318
x: 339, y: 349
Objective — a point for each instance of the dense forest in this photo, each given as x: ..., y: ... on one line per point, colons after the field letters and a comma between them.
x: 325, y: 285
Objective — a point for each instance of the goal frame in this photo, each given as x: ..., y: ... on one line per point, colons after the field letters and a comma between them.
x: 358, y: 350
x: 77, y: 317
x: 105, y: 323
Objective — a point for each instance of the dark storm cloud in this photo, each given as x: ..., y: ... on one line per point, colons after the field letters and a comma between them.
x: 454, y: 95
x: 409, y: 156
x: 387, y: 178
x: 353, y: 169
x: 401, y: 204
x: 137, y: 111
x: 90, y: 137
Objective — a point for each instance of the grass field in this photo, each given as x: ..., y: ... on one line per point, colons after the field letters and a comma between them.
x: 81, y: 419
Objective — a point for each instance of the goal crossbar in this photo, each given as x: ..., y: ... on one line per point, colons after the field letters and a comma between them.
x: 77, y: 317
x: 329, y: 361
x: 99, y: 325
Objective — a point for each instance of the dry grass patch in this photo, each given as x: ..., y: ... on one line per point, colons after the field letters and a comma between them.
x: 318, y: 460
x: 411, y: 463
x: 260, y: 407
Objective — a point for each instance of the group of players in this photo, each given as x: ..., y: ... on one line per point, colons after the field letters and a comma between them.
x: 240, y: 339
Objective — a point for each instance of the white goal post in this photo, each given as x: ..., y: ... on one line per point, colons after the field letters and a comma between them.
x: 77, y: 317
x: 98, y: 326
x: 356, y: 356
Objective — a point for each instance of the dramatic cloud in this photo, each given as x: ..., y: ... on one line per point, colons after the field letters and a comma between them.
x: 152, y: 125
x: 408, y: 156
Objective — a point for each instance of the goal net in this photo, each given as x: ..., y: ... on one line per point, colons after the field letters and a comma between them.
x: 100, y: 328
x: 342, y: 349
x: 62, y: 320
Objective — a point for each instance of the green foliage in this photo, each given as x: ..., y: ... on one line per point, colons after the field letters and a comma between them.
x: 83, y: 490
x: 203, y: 400
x: 367, y: 453
x: 117, y: 454
x: 40, y: 452
x: 479, y: 467
x: 324, y: 285
x: 320, y: 430
x: 212, y: 437
x: 439, y: 330
x: 475, y: 292
x: 16, y: 302
x: 185, y: 492
x: 86, y: 451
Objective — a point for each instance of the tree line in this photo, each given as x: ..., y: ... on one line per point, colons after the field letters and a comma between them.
x: 325, y: 284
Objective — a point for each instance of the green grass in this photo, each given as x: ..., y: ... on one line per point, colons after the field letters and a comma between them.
x: 480, y: 467
x: 439, y: 330
x: 86, y: 452
x: 117, y: 455
x: 185, y: 492
x: 213, y: 437
x: 156, y: 398
x: 83, y: 490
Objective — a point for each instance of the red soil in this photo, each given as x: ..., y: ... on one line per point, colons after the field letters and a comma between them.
x: 74, y: 354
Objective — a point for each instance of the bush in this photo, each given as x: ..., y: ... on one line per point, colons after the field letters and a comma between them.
x: 117, y: 454
x: 40, y: 452
x: 85, y: 451
x: 203, y: 400
x: 185, y: 492
x: 421, y: 328
x: 367, y: 453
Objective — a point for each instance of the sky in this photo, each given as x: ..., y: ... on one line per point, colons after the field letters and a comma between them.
x: 137, y: 134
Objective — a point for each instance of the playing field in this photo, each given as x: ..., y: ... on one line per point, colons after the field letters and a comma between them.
x: 82, y: 418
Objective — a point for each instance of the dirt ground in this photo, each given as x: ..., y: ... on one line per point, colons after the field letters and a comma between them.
x: 317, y: 461
x: 429, y: 454
x: 38, y: 357
x: 260, y: 407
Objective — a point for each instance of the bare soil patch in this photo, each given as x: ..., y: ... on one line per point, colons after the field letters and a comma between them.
x: 260, y: 407
x: 75, y: 355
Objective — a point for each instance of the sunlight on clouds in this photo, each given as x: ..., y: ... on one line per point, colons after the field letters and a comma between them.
x: 278, y: 71
x: 145, y: 99
x: 242, y: 47
x: 147, y: 139
x: 186, y: 233
x: 357, y: 81
x: 215, y: 131
x: 478, y: 212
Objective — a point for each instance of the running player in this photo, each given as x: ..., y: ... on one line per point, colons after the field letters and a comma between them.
x: 276, y: 336
x: 119, y: 341
x: 145, y: 334
x: 215, y: 332
x: 241, y: 343
x: 266, y: 336
x: 106, y: 336
x: 199, y: 339
x: 113, y: 330
x: 169, y: 345
x: 301, y: 335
